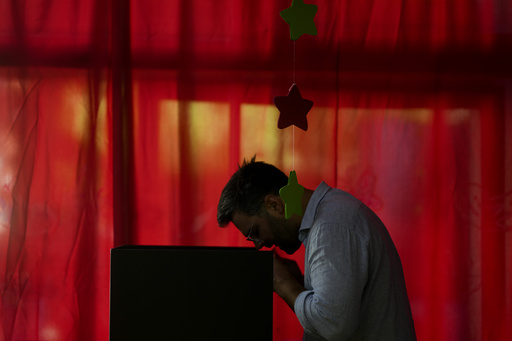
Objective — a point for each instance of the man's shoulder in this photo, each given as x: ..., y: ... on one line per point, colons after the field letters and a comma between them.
x: 339, y: 200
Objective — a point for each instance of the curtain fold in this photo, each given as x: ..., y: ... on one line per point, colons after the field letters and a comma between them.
x: 120, y: 122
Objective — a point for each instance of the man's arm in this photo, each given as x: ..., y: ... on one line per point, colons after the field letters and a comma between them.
x: 288, y: 280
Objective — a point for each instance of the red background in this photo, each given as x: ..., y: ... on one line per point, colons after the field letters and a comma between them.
x: 120, y: 122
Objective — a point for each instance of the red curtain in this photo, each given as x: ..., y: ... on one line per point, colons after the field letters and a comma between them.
x: 120, y: 122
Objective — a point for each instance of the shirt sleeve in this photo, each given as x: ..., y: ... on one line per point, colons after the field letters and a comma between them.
x: 337, y: 257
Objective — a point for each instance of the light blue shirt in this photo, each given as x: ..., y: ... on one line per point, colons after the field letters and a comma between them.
x: 353, y: 274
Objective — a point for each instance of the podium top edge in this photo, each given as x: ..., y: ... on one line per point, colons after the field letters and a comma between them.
x: 188, y: 248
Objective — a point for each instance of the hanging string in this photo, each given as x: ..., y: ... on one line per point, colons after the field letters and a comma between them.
x: 293, y: 127
x: 293, y: 152
x: 294, y: 61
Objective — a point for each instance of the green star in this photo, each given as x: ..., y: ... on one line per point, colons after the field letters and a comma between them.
x: 292, y: 196
x: 300, y: 18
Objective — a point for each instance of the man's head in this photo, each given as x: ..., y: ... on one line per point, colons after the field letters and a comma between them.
x: 251, y: 201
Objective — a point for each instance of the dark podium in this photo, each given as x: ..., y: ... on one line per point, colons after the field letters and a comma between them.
x: 190, y: 293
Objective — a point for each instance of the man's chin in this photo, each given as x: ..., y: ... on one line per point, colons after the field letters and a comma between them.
x: 288, y: 249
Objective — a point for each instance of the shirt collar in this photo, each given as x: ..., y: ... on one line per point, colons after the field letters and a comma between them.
x: 309, y: 214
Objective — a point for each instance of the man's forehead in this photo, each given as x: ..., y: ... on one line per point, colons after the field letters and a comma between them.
x: 242, y: 222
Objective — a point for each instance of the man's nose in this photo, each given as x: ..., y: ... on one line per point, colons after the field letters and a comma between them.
x: 258, y: 244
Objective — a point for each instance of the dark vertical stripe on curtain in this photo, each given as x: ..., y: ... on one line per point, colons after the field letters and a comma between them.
x: 122, y: 118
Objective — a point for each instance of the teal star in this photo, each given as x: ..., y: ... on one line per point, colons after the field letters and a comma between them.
x: 292, y: 196
x: 300, y: 18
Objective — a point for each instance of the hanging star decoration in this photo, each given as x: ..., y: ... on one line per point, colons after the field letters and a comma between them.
x: 292, y: 196
x: 300, y: 19
x: 293, y: 109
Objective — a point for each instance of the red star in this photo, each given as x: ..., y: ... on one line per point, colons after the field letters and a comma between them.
x: 293, y: 109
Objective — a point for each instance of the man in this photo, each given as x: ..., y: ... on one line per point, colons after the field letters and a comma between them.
x: 353, y: 286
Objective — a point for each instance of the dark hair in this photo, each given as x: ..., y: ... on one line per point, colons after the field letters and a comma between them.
x: 246, y: 190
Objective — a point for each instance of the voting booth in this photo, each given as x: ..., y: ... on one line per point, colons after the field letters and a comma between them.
x: 190, y: 293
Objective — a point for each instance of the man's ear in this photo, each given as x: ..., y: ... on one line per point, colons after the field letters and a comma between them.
x: 274, y: 204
